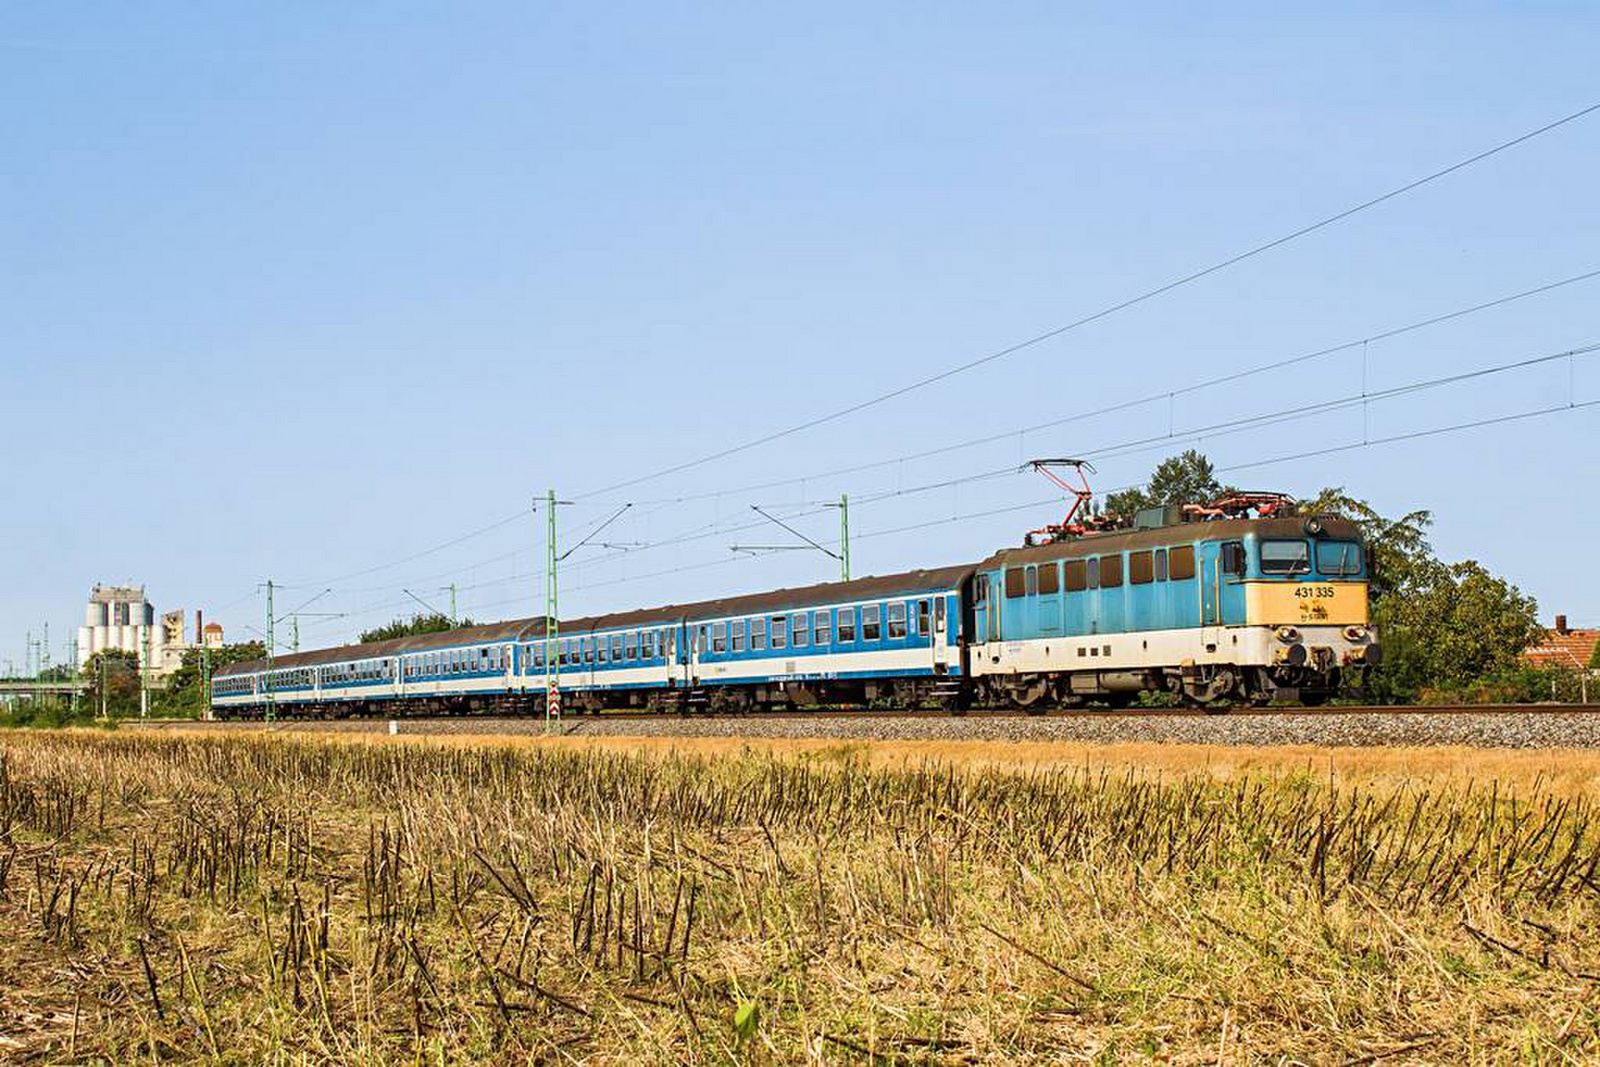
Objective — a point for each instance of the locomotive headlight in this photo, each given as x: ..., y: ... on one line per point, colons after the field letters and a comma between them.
x: 1355, y: 633
x: 1288, y: 635
x: 1313, y: 527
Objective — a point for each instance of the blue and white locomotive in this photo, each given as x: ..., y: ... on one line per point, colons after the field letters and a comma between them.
x: 1208, y: 605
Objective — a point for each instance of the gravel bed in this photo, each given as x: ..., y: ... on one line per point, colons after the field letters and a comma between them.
x: 1515, y: 729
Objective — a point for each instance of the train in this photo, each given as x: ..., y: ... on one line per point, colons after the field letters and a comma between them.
x: 1240, y: 601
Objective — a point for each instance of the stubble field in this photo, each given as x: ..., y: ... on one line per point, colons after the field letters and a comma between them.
x: 241, y: 898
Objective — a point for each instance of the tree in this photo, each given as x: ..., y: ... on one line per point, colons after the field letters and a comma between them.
x: 1189, y: 478
x: 1451, y: 626
x: 184, y: 693
x: 1594, y: 658
x: 417, y: 624
x: 118, y: 670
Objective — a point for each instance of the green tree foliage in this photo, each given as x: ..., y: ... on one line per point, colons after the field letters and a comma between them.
x: 184, y: 695
x: 114, y: 671
x: 1451, y: 627
x: 417, y: 624
x: 1189, y: 478
x: 1594, y: 657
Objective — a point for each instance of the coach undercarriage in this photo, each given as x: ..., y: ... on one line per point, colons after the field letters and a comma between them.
x: 1192, y: 685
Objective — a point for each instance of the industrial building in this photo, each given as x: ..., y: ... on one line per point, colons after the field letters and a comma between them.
x: 120, y: 617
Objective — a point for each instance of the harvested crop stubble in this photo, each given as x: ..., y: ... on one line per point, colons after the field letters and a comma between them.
x: 241, y: 898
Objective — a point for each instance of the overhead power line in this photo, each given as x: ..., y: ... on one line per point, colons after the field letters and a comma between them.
x: 1095, y: 316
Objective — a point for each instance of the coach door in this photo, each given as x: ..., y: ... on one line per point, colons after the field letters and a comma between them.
x: 941, y: 635
x: 697, y: 648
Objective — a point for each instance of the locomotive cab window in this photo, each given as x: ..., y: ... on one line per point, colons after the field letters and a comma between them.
x: 1338, y: 557
x: 980, y: 592
x: 1233, y: 559
x: 1284, y: 557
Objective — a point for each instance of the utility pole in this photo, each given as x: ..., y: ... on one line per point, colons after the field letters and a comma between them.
x: 552, y: 625
x: 267, y: 681
x: 453, y: 615
x: 144, y: 677
x: 105, y: 712
x: 205, y: 678
x: 74, y: 677
x: 27, y: 656
x: 294, y: 628
x: 844, y: 535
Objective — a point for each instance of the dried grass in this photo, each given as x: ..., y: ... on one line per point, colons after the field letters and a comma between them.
x: 249, y: 898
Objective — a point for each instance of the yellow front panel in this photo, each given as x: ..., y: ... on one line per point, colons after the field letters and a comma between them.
x: 1305, y: 603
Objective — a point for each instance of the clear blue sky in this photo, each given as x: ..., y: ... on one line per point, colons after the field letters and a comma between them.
x: 295, y: 290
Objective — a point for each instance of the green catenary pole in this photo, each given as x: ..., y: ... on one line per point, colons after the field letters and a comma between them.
x: 844, y: 535
x: 267, y: 692
x: 552, y: 626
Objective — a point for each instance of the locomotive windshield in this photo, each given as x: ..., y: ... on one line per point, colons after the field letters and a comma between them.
x: 1338, y: 557
x: 1285, y: 557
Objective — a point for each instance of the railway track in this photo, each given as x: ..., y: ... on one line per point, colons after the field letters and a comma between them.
x: 974, y: 714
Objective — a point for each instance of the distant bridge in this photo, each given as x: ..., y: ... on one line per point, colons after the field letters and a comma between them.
x: 32, y: 687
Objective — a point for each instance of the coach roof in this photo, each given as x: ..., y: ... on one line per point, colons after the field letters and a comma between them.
x: 514, y: 630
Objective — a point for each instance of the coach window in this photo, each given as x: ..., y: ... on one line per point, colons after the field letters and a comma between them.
x: 758, y: 634
x: 1049, y: 579
x: 632, y: 647
x: 847, y: 626
x: 1110, y: 571
x: 1233, y: 558
x: 1077, y: 576
x: 1180, y: 563
x: 799, y: 630
x: 1016, y: 583
x: 736, y: 635
x: 871, y: 628
x: 719, y: 637
x: 601, y: 649
x: 922, y: 619
x: 897, y: 620
x: 1161, y: 564
x: 538, y: 655
x: 823, y: 630
x: 1141, y: 568
x: 1094, y: 572
x: 780, y: 631
x: 588, y: 650
x: 616, y: 648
